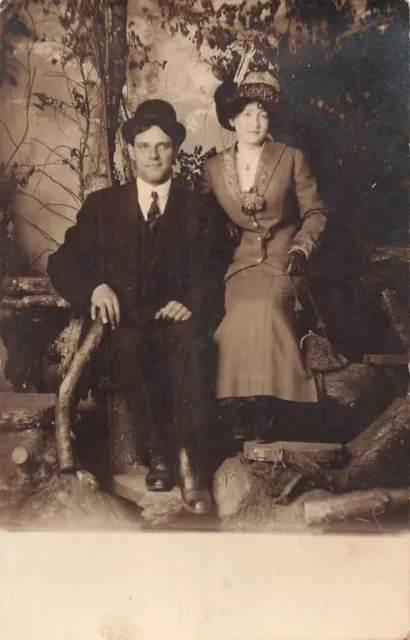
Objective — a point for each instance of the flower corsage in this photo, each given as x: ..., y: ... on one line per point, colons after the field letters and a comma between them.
x: 252, y: 203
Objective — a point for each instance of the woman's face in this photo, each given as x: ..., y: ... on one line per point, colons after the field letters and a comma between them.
x: 252, y: 124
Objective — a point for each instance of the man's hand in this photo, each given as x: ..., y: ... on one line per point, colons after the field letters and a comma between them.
x: 295, y: 263
x: 105, y: 301
x: 174, y: 311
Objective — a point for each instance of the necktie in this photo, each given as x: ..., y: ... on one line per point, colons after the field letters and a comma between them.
x: 154, y: 211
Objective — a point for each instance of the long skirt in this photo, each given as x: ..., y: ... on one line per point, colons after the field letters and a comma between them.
x: 258, y: 342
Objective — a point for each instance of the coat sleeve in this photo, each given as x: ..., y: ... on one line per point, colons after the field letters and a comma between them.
x: 311, y: 209
x: 76, y: 268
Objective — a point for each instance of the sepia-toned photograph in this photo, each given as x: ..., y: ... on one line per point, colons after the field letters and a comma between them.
x: 204, y: 266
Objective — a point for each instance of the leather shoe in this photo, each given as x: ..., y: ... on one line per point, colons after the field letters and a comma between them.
x: 159, y: 476
x: 195, y: 498
x: 238, y: 443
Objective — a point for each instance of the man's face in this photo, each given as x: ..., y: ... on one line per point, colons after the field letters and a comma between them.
x: 154, y: 155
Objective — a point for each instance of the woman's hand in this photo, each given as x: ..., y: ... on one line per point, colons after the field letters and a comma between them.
x: 174, y: 311
x: 295, y: 263
x: 105, y: 300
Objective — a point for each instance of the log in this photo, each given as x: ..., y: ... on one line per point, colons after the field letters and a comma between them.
x: 60, y: 353
x: 232, y: 486
x: 397, y: 308
x: 281, y: 482
x: 243, y: 501
x: 324, y: 453
x: 370, y: 451
x: 304, y: 459
x: 384, y: 359
x: 350, y: 386
x: 122, y: 445
x: 390, y: 252
x: 20, y: 456
x: 67, y: 341
x: 22, y: 459
x: 66, y: 394
x: 30, y: 401
x: 71, y: 502
x: 19, y: 478
x: 20, y: 419
x: 20, y: 411
x: 27, y: 286
x: 355, y: 505
x: 39, y: 300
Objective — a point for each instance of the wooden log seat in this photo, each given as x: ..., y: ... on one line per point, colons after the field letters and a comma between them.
x: 23, y: 293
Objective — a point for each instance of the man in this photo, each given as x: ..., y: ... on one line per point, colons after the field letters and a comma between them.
x: 131, y: 259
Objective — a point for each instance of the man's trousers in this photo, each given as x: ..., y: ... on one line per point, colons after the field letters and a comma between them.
x: 155, y: 369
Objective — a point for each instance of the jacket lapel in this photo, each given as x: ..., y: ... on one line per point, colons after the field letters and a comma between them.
x: 269, y: 160
x: 227, y: 188
x: 131, y: 210
x: 228, y: 172
x: 125, y: 229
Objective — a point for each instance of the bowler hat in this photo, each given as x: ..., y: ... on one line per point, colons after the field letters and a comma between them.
x: 153, y: 113
x: 257, y: 86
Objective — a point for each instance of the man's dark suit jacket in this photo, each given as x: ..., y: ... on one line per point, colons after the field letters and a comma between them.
x: 187, y: 263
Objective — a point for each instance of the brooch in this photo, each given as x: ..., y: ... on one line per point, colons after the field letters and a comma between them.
x: 252, y: 203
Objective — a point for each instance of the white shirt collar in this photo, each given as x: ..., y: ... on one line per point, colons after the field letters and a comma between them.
x: 145, y: 189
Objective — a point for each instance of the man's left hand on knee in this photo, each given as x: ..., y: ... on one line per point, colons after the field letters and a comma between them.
x: 174, y: 311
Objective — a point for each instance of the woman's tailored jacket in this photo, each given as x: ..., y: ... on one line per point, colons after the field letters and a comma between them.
x: 293, y: 217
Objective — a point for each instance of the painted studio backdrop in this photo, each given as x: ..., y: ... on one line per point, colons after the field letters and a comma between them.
x: 71, y: 72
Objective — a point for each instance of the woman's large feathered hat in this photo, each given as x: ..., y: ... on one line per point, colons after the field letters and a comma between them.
x: 256, y: 86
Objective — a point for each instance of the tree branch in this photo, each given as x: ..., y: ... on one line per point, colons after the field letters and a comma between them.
x: 8, y: 133
x: 29, y: 91
x: 66, y: 189
x: 38, y: 229
x: 46, y: 206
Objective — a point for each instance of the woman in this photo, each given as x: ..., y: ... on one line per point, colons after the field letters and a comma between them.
x: 270, y: 196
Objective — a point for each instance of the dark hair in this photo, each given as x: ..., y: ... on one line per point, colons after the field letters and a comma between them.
x: 151, y: 113
x: 241, y: 102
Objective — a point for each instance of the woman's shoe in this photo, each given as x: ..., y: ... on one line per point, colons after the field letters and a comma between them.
x: 159, y: 476
x: 238, y: 443
x: 195, y: 498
